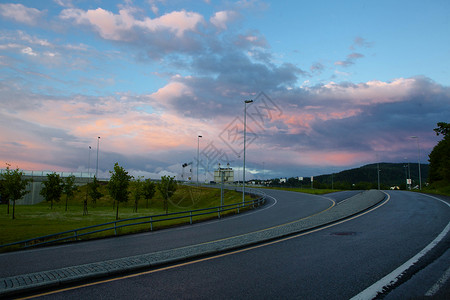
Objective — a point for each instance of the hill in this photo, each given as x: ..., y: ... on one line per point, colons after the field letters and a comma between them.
x: 365, y: 177
x: 391, y: 174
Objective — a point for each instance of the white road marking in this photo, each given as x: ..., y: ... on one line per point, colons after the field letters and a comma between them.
x: 390, y: 279
x: 435, y: 288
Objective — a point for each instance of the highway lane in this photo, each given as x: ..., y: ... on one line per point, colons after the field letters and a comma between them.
x: 334, y: 263
x: 287, y: 207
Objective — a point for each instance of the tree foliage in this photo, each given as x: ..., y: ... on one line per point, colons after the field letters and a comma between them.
x: 53, y: 188
x: 149, y: 189
x: 94, y: 192
x: 118, y: 185
x: 13, y: 186
x: 137, y: 193
x: 167, y: 188
x: 69, y: 188
x: 440, y: 155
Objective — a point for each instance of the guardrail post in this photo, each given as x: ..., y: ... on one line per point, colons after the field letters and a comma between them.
x: 76, y: 235
x: 218, y: 212
x: 151, y: 224
x: 190, y: 216
x: 115, y: 229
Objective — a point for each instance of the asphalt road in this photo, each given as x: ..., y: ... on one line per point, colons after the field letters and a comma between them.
x: 287, y: 207
x: 334, y: 263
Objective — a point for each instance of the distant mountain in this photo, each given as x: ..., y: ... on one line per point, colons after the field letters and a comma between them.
x: 363, y: 178
x: 391, y: 174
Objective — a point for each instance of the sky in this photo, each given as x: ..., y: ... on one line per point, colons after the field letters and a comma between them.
x: 335, y: 85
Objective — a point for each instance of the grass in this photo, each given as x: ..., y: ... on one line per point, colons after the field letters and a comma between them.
x: 39, y: 220
x: 439, y: 188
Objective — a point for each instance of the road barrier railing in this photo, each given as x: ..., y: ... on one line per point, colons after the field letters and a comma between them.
x: 77, y: 234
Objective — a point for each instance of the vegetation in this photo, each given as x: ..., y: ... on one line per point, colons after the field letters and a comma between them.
x: 440, y: 156
x: 39, y: 220
x: 53, y: 188
x: 13, y: 187
x: 439, y: 176
x: 138, y: 193
x: 69, y: 188
x: 94, y: 192
x: 149, y: 190
x: 167, y: 188
x: 118, y: 186
x: 363, y: 178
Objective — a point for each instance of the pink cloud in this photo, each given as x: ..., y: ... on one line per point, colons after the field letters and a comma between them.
x: 120, y: 26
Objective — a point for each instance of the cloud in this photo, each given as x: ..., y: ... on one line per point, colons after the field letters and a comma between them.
x: 64, y: 3
x: 221, y: 18
x: 332, y: 124
x: 21, y: 13
x: 29, y: 51
x: 317, y: 68
x: 124, y: 26
x: 360, y: 42
x: 350, y: 60
x: 209, y: 69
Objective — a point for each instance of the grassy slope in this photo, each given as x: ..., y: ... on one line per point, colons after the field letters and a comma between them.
x: 39, y: 220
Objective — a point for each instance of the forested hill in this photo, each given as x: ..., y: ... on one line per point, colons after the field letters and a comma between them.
x: 391, y: 174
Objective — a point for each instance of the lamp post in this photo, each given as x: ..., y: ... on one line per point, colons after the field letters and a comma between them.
x: 198, y: 151
x: 85, y: 210
x: 89, y: 164
x: 418, y: 160
x: 245, y: 132
x: 96, y: 168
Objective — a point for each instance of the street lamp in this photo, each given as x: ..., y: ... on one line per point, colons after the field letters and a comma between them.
x: 418, y: 160
x: 89, y: 163
x: 198, y: 150
x: 96, y: 169
x: 245, y: 132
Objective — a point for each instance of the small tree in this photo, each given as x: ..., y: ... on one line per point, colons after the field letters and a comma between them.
x: 167, y: 188
x: 53, y: 188
x: 13, y: 187
x: 94, y: 193
x: 138, y: 193
x: 69, y: 188
x: 118, y: 185
x: 149, y: 189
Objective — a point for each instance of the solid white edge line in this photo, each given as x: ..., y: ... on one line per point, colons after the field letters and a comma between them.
x: 435, y: 288
x: 372, y: 291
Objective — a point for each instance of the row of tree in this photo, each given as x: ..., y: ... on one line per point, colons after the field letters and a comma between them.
x: 13, y: 188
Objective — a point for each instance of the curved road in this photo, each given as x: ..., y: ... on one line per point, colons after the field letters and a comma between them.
x: 282, y: 207
x: 338, y: 262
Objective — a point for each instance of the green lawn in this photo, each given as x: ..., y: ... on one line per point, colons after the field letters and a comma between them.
x: 39, y: 220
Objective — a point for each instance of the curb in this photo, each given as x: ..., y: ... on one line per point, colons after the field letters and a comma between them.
x: 49, y: 279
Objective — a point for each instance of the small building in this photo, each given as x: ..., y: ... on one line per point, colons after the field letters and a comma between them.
x: 227, y: 173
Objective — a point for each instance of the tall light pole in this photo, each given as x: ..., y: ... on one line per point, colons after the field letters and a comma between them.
x: 89, y: 164
x: 418, y: 160
x: 96, y: 168
x: 198, y: 151
x: 245, y: 132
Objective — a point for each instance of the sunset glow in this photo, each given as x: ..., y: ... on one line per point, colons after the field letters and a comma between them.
x: 148, y: 77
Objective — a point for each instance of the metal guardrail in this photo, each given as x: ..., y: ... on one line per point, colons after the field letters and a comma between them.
x: 76, y: 234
